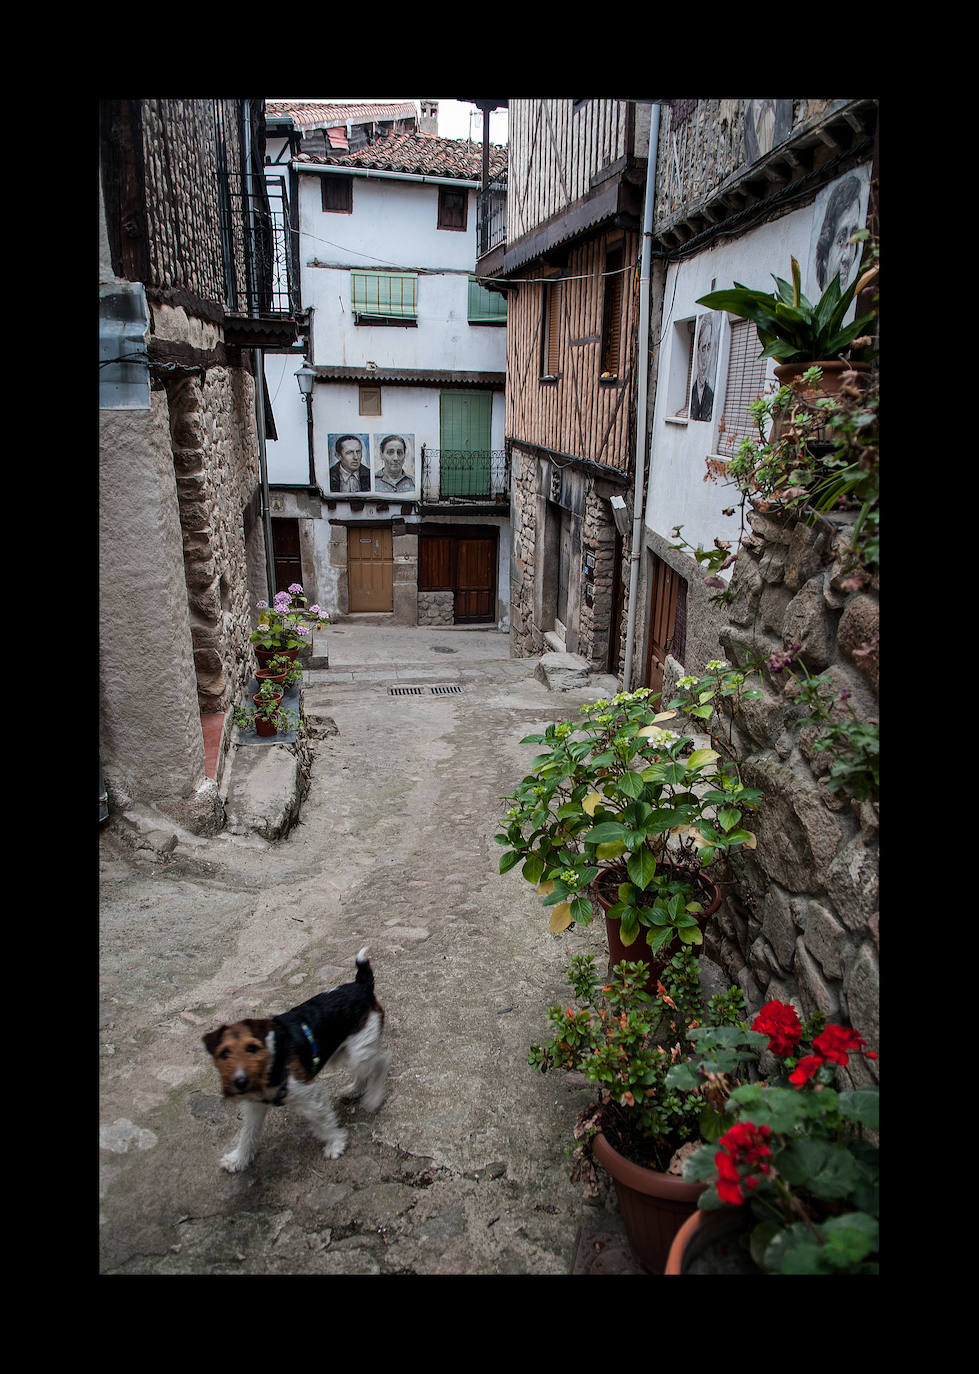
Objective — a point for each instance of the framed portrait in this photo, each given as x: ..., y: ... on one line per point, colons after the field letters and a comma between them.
x: 766, y: 124
x: 394, y: 469
x: 704, y: 371
x: 838, y: 212
x: 349, y: 459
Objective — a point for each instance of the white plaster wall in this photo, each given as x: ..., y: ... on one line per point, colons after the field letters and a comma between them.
x: 287, y: 456
x: 394, y: 224
x: 677, y: 493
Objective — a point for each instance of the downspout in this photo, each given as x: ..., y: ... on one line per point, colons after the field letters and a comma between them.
x: 642, y: 427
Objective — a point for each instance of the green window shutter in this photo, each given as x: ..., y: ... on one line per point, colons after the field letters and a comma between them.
x: 466, y: 426
x: 485, y: 307
x: 384, y: 295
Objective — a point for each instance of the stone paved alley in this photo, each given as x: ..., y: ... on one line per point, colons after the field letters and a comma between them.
x: 463, y: 1170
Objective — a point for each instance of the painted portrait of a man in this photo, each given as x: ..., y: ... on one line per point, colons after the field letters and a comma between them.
x: 839, y: 211
x: 704, y: 366
x: 348, y: 467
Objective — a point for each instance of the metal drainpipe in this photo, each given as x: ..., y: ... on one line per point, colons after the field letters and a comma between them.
x: 643, y: 386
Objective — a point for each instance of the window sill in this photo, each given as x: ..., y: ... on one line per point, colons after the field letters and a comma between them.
x: 385, y: 322
x: 676, y: 419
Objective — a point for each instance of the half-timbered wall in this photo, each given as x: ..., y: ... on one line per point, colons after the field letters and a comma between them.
x: 556, y: 150
x: 578, y: 414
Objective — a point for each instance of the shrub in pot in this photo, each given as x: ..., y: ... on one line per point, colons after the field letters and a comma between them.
x: 615, y: 798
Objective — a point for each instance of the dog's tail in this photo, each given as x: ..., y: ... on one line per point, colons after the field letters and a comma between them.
x: 365, y: 974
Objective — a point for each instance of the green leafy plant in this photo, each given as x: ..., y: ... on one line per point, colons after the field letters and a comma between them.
x: 797, y: 1153
x: 629, y: 1045
x: 616, y: 790
x: 289, y: 622
x: 789, y: 326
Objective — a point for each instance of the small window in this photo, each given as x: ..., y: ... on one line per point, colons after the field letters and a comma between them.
x: 338, y: 194
x: 681, y: 370
x: 551, y: 329
x: 485, y: 307
x: 612, y: 311
x: 453, y: 207
x: 384, y: 297
x: 370, y: 400
x: 747, y: 377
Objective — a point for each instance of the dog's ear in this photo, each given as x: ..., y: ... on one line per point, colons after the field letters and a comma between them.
x: 259, y: 1029
x: 212, y: 1038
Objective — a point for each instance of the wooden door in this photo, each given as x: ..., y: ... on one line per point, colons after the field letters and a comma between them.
x: 475, y: 582
x: 564, y: 570
x: 370, y: 568
x: 286, y: 556
x: 662, y: 617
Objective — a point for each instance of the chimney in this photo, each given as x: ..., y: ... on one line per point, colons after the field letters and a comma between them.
x: 429, y: 121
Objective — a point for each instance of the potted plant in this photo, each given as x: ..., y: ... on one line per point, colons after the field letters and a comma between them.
x: 796, y: 332
x: 616, y: 806
x: 286, y: 626
x: 629, y: 1045
x: 268, y: 716
x: 797, y: 1155
x: 282, y: 670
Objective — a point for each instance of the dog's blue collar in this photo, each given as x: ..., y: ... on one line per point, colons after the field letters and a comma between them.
x: 312, y: 1045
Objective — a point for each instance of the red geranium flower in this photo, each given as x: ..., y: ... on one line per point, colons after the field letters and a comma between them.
x: 805, y: 1069
x: 781, y: 1024
x: 835, y: 1042
x: 728, y: 1179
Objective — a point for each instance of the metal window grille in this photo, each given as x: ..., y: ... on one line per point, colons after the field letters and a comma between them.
x: 491, y: 214
x: 747, y: 376
x: 479, y: 474
x: 384, y: 295
x: 485, y: 307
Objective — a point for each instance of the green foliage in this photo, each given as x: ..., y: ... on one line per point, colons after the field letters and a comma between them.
x: 616, y: 789
x: 288, y: 623
x: 789, y: 326
x: 641, y: 1052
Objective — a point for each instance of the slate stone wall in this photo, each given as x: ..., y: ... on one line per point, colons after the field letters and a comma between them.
x: 801, y: 921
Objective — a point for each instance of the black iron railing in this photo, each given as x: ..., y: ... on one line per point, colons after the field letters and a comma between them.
x: 491, y: 215
x: 256, y: 242
x: 451, y: 474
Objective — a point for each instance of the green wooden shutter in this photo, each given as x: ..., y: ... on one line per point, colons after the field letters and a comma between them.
x: 465, y: 439
x: 384, y: 295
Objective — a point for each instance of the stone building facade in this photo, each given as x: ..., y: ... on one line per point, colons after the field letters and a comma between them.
x: 182, y: 550
x: 801, y: 917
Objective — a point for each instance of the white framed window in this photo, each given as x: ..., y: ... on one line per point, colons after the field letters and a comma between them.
x: 681, y: 370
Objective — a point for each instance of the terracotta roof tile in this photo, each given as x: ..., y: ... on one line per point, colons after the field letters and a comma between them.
x: 422, y: 155
x: 309, y: 114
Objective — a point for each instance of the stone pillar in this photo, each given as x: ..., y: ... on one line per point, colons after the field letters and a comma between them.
x: 405, y: 548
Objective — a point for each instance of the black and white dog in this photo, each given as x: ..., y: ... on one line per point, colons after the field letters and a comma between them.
x: 275, y: 1061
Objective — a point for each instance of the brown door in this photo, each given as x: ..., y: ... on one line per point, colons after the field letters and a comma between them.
x: 475, y: 589
x: 662, y: 616
x: 370, y: 568
x: 286, y: 557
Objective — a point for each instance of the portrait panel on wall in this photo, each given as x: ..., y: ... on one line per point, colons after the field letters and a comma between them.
x: 839, y: 211
x: 705, y: 350
x: 395, y: 472
x: 766, y: 124
x: 349, y: 462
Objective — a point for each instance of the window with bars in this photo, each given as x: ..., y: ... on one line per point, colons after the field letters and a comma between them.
x: 747, y: 376
x: 384, y: 297
x: 612, y: 310
x: 485, y: 307
x: 551, y: 329
x: 453, y: 207
x: 338, y: 194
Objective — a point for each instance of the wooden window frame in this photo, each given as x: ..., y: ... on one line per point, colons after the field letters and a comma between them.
x: 613, y: 297
x: 477, y: 316
x: 364, y: 393
x: 337, y: 183
x: 551, y: 330
x: 446, y: 216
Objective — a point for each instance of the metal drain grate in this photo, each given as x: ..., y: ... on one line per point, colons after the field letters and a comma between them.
x: 444, y: 691
x: 405, y: 691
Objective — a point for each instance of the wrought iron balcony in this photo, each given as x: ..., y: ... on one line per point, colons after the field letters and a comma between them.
x: 453, y: 476
x: 491, y: 215
x: 256, y: 242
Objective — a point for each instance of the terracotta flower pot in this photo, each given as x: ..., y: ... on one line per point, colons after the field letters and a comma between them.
x: 605, y: 891
x: 709, y: 1243
x: 263, y: 675
x: 653, y: 1205
x: 265, y: 727
x: 831, y: 381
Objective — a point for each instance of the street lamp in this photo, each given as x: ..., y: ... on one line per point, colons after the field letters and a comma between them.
x: 305, y: 377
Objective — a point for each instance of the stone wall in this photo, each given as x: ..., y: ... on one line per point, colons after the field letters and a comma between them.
x: 436, y: 608
x: 801, y: 919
